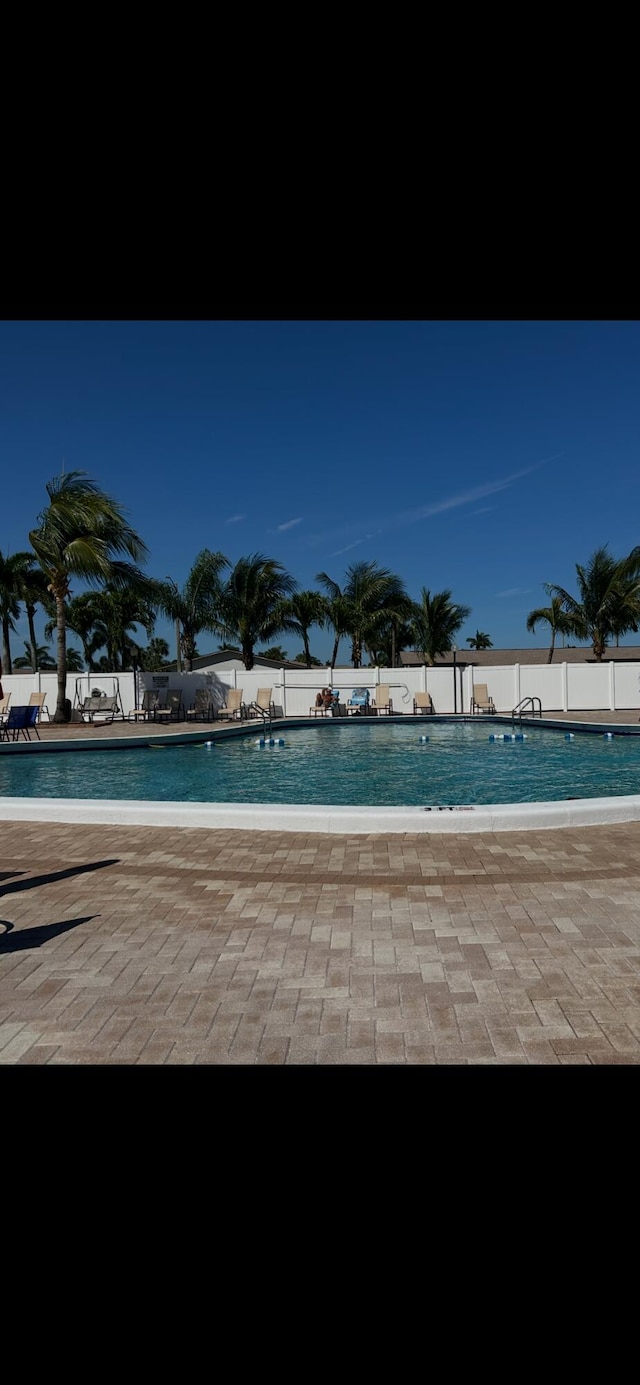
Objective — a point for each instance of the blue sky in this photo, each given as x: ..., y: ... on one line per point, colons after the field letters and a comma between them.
x: 486, y: 457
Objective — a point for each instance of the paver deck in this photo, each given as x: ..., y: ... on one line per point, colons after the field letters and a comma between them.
x: 156, y: 945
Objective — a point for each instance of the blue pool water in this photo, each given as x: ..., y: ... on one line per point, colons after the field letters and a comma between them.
x: 364, y: 765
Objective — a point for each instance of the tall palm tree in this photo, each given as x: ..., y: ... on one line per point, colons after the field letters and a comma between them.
x: 555, y: 616
x: 34, y: 593
x: 13, y: 570
x: 334, y: 613
x: 479, y: 641
x: 307, y: 608
x: 436, y: 622
x: 609, y: 598
x: 253, y: 605
x: 195, y: 608
x: 81, y: 533
x: 370, y: 597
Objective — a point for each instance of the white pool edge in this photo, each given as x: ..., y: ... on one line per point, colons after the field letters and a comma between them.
x: 300, y: 817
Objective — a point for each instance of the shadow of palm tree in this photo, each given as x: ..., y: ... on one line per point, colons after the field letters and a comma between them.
x: 7, y: 874
x: 34, y: 880
x: 34, y: 937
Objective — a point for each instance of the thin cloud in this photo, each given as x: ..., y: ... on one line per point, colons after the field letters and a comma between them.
x: 438, y: 507
x: 338, y: 551
x: 281, y: 528
x: 485, y: 510
x: 515, y: 591
x: 234, y: 519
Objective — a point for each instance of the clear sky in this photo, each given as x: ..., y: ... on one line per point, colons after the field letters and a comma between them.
x: 485, y: 457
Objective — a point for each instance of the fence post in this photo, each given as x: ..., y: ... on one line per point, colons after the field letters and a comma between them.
x: 283, y: 680
x: 612, y: 685
x: 565, y: 689
x: 516, y: 684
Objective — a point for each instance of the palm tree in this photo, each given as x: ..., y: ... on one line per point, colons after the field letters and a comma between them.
x: 13, y: 570
x: 43, y: 658
x: 278, y: 654
x: 81, y: 618
x: 371, y: 596
x: 479, y: 641
x: 254, y: 604
x: 195, y: 608
x: 34, y: 593
x: 155, y: 656
x: 334, y: 615
x: 609, y: 598
x: 307, y: 608
x: 436, y: 622
x: 555, y: 616
x: 74, y: 660
x: 81, y: 533
x: 114, y: 615
x: 397, y: 636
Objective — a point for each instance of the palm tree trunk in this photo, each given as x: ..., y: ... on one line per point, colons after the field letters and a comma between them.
x: 6, y: 647
x: 305, y: 645
x: 31, y: 610
x: 356, y: 651
x: 553, y: 642
x: 335, y: 652
x: 60, y: 713
x: 247, y: 656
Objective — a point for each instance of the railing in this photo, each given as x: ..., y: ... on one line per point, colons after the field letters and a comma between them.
x: 533, y: 702
x: 255, y: 710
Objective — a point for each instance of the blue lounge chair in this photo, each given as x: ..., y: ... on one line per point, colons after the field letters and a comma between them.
x: 358, y: 703
x: 20, y: 720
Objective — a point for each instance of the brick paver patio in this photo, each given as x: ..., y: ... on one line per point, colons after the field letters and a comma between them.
x: 147, y: 945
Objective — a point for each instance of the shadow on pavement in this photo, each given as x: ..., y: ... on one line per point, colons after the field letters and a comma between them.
x: 26, y: 938
x: 53, y: 875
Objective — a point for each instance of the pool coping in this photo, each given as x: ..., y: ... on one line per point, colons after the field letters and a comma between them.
x: 325, y: 818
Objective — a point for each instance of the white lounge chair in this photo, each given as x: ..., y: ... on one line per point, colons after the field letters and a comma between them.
x: 382, y: 701
x: 234, y: 708
x: 480, y: 700
x: 422, y: 703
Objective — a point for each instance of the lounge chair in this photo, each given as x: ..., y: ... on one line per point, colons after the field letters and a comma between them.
x: 234, y: 706
x: 147, y: 707
x: 201, y: 706
x: 19, y: 721
x: 4, y: 706
x: 422, y: 703
x: 38, y: 700
x: 171, y: 710
x: 358, y: 703
x: 480, y: 700
x: 263, y: 702
x: 382, y: 700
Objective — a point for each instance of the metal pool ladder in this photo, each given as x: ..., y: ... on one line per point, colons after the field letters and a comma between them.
x: 536, y: 709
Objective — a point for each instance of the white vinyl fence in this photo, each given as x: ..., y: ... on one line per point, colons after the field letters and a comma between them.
x: 560, y: 687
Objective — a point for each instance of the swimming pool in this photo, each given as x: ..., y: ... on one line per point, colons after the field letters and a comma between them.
x: 378, y: 764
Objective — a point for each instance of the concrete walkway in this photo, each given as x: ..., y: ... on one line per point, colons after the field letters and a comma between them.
x: 157, y: 945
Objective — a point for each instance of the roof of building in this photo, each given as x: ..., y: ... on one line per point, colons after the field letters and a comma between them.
x: 493, y: 658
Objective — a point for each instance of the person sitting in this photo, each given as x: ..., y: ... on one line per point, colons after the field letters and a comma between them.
x: 327, y: 697
x: 320, y: 699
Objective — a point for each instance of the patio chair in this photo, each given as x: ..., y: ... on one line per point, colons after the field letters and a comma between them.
x: 264, y: 703
x: 171, y: 710
x: 19, y: 721
x: 234, y: 706
x: 201, y: 706
x: 38, y: 700
x: 480, y: 700
x: 422, y: 703
x: 4, y: 706
x: 358, y: 703
x: 147, y: 707
x: 382, y: 701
